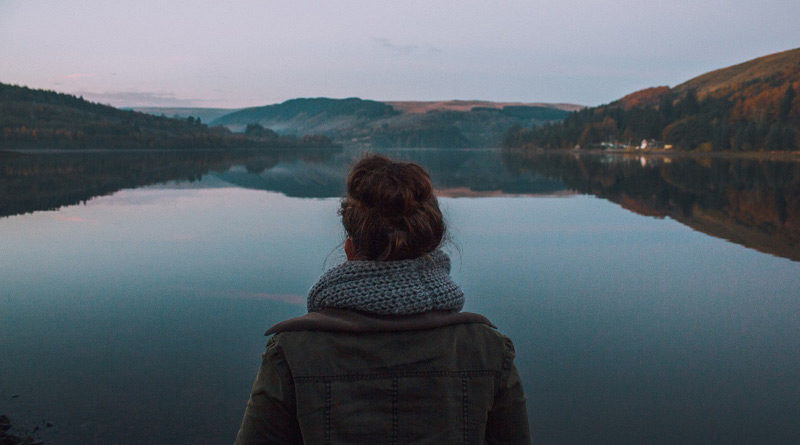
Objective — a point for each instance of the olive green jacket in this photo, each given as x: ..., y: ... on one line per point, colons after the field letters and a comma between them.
x: 345, y: 377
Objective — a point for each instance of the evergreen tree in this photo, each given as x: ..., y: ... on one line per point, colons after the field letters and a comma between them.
x: 774, y: 139
x: 786, y: 105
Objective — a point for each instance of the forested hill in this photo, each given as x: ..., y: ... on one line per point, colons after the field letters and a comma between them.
x: 451, y: 124
x: 39, y: 119
x: 327, y: 107
x: 751, y: 106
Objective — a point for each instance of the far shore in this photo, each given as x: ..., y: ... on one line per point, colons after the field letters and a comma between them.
x: 754, y: 155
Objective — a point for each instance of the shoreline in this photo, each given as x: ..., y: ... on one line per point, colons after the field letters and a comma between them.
x: 752, y: 155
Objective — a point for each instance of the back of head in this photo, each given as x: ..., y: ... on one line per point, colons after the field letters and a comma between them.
x: 390, y: 211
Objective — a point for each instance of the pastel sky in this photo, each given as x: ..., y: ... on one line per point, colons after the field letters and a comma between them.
x: 246, y: 53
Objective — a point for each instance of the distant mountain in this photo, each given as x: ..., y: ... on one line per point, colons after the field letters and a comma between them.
x: 315, y: 106
x: 39, y: 119
x: 447, y: 124
x: 751, y: 106
x: 204, y: 114
x: 414, y: 107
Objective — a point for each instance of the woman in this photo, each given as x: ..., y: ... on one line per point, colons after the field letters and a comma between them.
x: 384, y: 354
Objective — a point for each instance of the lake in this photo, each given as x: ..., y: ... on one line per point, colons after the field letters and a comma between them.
x: 650, y: 299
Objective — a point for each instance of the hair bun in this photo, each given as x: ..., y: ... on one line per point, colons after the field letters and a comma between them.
x: 390, y: 211
x: 394, y: 190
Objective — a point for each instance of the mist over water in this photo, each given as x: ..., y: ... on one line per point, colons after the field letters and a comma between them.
x: 649, y: 303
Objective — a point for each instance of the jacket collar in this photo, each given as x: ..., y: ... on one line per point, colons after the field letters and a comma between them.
x: 345, y: 320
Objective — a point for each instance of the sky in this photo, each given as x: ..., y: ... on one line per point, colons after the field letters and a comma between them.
x: 247, y: 53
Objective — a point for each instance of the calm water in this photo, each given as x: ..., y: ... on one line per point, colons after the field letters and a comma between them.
x: 654, y: 301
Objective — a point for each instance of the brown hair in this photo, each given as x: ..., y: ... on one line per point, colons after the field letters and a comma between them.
x: 390, y: 211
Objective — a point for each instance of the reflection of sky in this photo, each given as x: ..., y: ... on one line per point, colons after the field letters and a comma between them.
x: 153, y: 299
x: 199, y: 237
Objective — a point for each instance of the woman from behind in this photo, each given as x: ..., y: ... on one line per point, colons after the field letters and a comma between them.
x: 385, y: 354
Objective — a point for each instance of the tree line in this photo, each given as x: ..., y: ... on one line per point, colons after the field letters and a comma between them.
x: 33, y: 119
x: 769, y: 120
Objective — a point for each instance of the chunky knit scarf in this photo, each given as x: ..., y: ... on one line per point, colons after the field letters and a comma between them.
x: 389, y: 287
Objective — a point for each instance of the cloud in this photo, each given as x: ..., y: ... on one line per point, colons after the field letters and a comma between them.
x: 403, y: 50
x: 140, y: 99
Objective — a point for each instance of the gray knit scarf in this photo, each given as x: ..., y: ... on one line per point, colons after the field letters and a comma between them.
x: 389, y: 287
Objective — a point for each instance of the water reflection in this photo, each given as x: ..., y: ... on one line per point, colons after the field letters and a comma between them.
x: 142, y: 311
x: 454, y: 172
x: 47, y: 181
x: 755, y: 203
x: 749, y: 202
x: 31, y: 182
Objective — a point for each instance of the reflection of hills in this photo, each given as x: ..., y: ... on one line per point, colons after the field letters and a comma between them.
x: 454, y: 172
x: 479, y: 171
x: 752, y: 203
x: 298, y: 179
x: 47, y: 181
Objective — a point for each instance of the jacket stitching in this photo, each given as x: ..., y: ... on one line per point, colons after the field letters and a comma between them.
x: 394, y: 410
x: 327, y: 379
x: 464, y: 405
x: 328, y: 404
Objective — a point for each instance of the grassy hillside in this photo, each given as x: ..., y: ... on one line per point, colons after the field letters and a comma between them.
x: 39, y: 119
x: 764, y: 72
x: 752, y: 106
x: 449, y: 124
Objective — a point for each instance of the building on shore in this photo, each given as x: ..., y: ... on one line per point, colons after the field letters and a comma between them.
x: 652, y: 144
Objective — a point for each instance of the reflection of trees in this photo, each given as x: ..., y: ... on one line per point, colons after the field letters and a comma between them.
x: 46, y: 181
x: 453, y: 172
x: 477, y: 171
x: 31, y: 182
x: 753, y: 203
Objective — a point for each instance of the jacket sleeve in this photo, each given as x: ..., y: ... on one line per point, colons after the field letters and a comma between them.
x: 270, y: 417
x: 508, y: 418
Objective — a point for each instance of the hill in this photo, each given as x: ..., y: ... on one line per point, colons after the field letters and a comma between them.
x: 447, y: 124
x: 752, y: 106
x: 764, y: 72
x: 204, y: 114
x: 39, y: 119
x: 416, y: 107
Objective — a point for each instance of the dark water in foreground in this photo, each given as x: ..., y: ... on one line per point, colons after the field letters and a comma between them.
x: 655, y: 303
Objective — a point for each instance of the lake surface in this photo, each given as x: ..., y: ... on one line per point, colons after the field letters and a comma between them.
x: 651, y: 300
